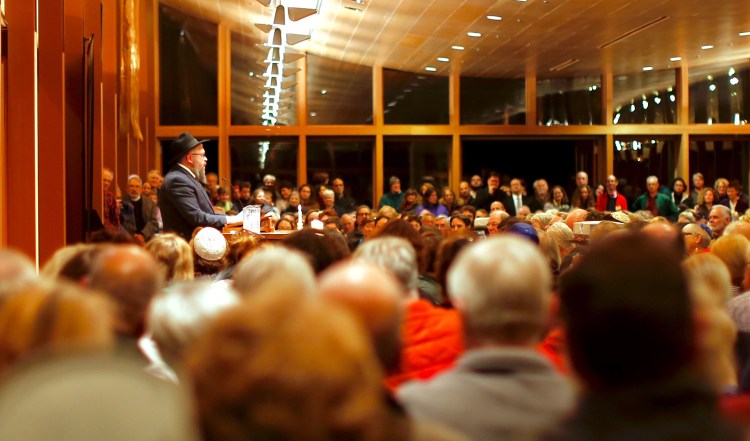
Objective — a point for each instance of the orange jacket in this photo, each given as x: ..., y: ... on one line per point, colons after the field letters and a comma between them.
x: 432, y: 339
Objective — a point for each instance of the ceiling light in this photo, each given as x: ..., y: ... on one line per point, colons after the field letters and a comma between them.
x: 744, y: 34
x: 474, y: 34
x: 647, y: 68
x: 675, y: 59
x: 494, y: 17
x: 323, y: 92
x: 707, y: 46
x: 458, y: 48
x: 313, y: 114
x: 431, y: 69
x: 443, y: 59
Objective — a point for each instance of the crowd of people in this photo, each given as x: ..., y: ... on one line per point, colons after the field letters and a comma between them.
x: 500, y: 312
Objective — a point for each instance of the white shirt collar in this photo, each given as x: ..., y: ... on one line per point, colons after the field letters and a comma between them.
x: 190, y: 171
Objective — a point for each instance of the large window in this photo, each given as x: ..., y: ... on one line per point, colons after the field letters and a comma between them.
x: 188, y: 86
x: 411, y: 98
x: 569, y: 101
x: 638, y: 157
x: 253, y: 157
x: 416, y: 160
x: 720, y: 158
x: 248, y: 83
x: 338, y: 92
x: 645, y: 98
x: 347, y: 158
x: 493, y: 101
x: 720, y: 94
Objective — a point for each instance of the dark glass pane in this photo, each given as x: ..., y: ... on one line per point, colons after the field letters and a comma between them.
x: 637, y: 158
x: 416, y: 160
x: 249, y: 82
x: 569, y: 101
x: 720, y: 94
x: 493, y: 101
x: 347, y: 158
x: 253, y: 157
x: 410, y: 98
x: 212, y: 155
x: 645, y: 98
x: 719, y: 158
x: 527, y: 159
x: 188, y: 85
x: 338, y: 92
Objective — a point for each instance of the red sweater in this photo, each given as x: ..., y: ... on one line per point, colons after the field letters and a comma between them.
x: 432, y: 340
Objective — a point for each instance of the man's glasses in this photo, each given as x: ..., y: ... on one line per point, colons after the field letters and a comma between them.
x: 199, y: 154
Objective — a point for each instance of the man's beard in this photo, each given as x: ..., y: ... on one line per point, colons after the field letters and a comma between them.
x: 200, y: 175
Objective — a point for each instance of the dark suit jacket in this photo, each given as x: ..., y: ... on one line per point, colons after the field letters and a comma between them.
x: 527, y: 200
x: 484, y: 200
x: 185, y: 205
x: 151, y: 223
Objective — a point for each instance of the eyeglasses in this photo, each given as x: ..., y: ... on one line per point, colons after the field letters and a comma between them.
x: 199, y: 154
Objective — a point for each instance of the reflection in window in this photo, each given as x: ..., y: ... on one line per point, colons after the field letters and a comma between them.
x: 720, y: 158
x: 338, y: 92
x: 253, y: 157
x: 637, y: 158
x: 493, y: 101
x: 248, y: 83
x: 188, y: 85
x: 410, y: 98
x: 720, y: 94
x: 347, y: 158
x: 645, y: 98
x: 569, y: 101
x: 416, y: 160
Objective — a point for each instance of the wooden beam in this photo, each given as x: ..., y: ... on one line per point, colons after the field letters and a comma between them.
x: 378, y: 118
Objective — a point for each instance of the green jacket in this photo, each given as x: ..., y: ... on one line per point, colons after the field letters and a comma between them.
x: 664, y: 205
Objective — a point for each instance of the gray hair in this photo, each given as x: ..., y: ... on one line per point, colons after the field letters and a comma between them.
x: 695, y: 229
x: 178, y: 316
x: 543, y: 219
x: 724, y: 211
x: 562, y: 234
x: 329, y: 192
x: 502, y: 287
x: 652, y: 178
x: 274, y: 263
x: 393, y: 254
x: 136, y: 177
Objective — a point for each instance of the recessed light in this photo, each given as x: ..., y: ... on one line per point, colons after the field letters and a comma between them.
x: 323, y: 92
x: 430, y: 69
x: 474, y: 34
x: 708, y: 46
x: 458, y: 48
x: 675, y: 59
x: 647, y: 68
x: 521, y: 1
x: 744, y: 34
x: 443, y: 59
x: 313, y: 114
x: 494, y: 17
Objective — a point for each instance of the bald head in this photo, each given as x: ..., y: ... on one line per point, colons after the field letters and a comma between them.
x: 375, y: 297
x: 577, y: 215
x: 130, y: 276
x: 16, y: 271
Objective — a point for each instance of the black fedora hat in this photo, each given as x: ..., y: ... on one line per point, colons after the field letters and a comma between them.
x: 181, y: 145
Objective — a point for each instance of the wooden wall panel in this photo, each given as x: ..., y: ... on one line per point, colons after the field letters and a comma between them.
x: 21, y: 156
x: 52, y: 198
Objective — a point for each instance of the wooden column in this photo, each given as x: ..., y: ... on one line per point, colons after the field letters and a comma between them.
x: 377, y: 117
x: 607, y: 156
x: 225, y: 97
x: 106, y: 156
x: 3, y: 149
x: 21, y: 155
x: 682, y: 157
x: 454, y: 174
x: 302, y: 113
x: 73, y: 41
x: 52, y: 199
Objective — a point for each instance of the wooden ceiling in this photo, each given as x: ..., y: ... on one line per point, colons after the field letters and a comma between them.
x: 534, y: 36
x: 545, y: 38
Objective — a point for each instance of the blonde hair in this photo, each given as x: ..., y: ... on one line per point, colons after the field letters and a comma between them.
x: 732, y: 250
x: 174, y: 255
x: 54, y: 317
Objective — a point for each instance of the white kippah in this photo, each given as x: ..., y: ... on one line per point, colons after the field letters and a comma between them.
x: 210, y: 244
